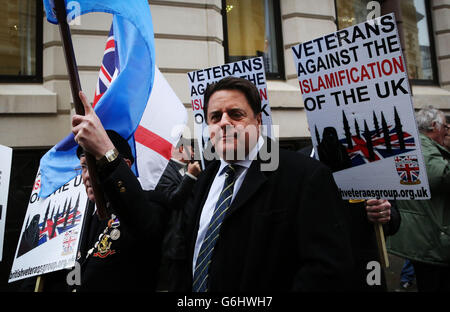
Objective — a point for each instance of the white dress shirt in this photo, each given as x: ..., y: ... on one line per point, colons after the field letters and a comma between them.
x: 214, y: 193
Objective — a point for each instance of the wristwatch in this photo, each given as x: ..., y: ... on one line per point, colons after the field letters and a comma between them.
x: 109, y: 157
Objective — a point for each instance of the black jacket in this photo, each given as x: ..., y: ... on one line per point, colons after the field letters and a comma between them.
x: 282, y: 232
x: 174, y: 187
x: 175, y: 190
x: 134, y: 263
x: 129, y: 263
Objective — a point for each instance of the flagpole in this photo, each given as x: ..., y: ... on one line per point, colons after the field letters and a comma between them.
x: 75, y: 86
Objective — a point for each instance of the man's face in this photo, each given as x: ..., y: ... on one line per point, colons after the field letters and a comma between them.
x: 447, y: 142
x: 182, y: 153
x: 233, y: 127
x: 86, y: 178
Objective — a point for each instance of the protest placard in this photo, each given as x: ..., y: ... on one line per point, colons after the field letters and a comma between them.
x: 250, y: 69
x: 51, y: 230
x: 358, y: 103
x: 5, y: 172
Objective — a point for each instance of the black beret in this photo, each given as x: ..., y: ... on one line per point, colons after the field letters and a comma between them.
x: 119, y: 142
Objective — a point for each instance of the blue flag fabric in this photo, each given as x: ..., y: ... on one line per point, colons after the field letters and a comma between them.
x: 122, y: 105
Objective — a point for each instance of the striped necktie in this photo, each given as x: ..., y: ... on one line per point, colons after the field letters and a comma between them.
x: 200, y: 283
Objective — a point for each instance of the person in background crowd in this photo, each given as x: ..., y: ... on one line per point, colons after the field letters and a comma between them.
x: 407, y: 275
x: 175, y: 186
x: 447, y: 139
x: 424, y: 236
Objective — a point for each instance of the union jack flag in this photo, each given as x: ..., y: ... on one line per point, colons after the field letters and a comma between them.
x: 359, y: 154
x: 108, y: 70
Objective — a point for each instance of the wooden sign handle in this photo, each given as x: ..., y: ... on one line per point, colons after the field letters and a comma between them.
x: 39, y: 287
x: 381, y: 245
x: 381, y: 242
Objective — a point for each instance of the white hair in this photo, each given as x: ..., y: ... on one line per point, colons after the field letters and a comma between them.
x: 426, y: 116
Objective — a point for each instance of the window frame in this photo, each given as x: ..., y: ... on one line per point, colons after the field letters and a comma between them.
x: 434, y: 80
x: 280, y: 75
x: 423, y: 82
x: 38, y: 77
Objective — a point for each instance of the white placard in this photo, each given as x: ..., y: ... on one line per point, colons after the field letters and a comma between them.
x: 5, y: 173
x: 358, y: 102
x: 51, y: 231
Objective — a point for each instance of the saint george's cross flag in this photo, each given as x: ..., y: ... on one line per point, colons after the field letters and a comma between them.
x: 132, y: 97
x: 161, y: 123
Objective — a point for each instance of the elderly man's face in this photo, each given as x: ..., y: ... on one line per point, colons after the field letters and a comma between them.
x: 86, y: 178
x: 233, y: 127
x: 447, y: 142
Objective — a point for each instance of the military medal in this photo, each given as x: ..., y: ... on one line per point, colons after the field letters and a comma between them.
x: 103, y: 244
x: 115, y: 234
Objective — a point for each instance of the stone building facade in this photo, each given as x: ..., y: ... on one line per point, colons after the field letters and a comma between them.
x: 189, y: 35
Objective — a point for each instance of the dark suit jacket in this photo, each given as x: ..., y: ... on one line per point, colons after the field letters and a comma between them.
x: 175, y: 190
x: 283, y: 231
x: 174, y: 187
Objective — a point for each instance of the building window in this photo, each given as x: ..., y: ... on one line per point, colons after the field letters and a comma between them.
x: 416, y: 31
x: 418, y: 49
x: 21, y: 40
x: 253, y: 28
x: 351, y: 12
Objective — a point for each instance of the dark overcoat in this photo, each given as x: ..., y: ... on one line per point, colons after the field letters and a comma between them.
x: 284, y: 230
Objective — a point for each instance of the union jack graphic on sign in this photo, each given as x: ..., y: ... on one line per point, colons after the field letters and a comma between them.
x: 59, y: 223
x: 359, y: 153
x: 408, y: 169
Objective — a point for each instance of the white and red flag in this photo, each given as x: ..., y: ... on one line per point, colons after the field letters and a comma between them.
x: 161, y: 125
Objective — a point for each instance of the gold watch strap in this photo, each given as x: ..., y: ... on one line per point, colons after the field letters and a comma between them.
x: 109, y: 157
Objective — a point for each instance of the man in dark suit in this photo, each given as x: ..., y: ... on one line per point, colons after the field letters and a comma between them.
x: 249, y: 229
